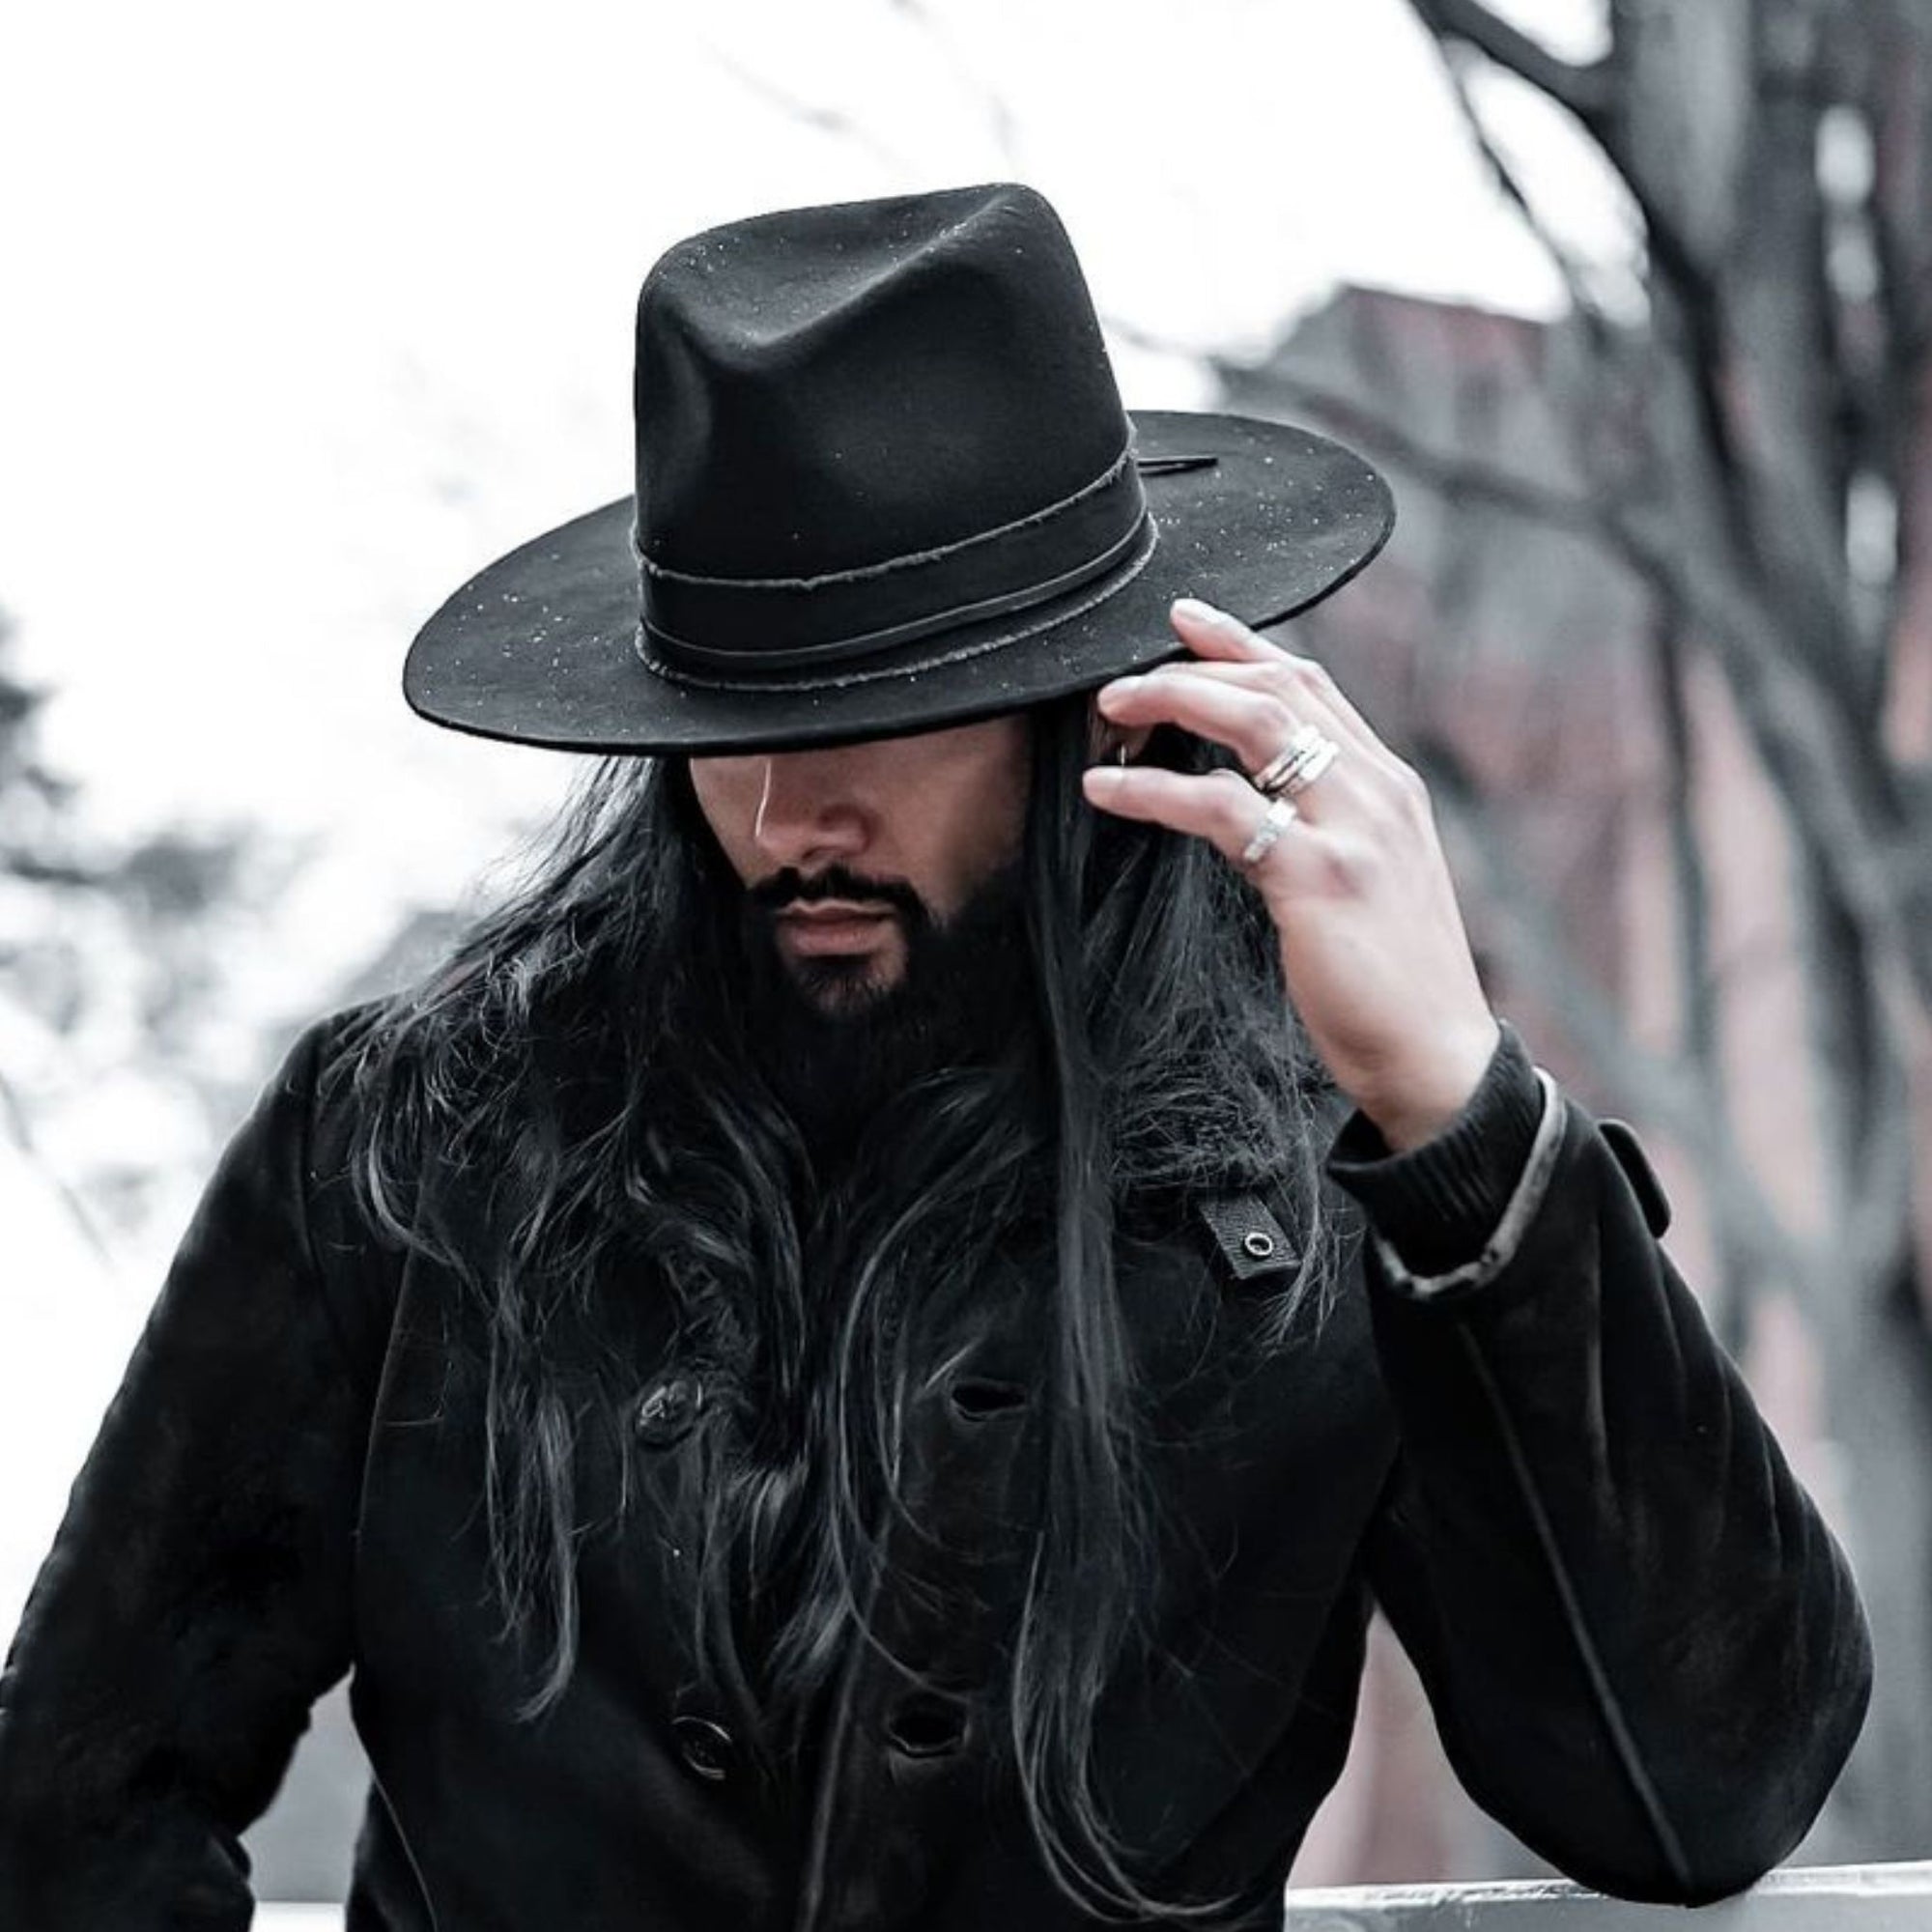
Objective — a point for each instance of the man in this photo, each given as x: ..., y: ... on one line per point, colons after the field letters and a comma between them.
x: 815, y: 1370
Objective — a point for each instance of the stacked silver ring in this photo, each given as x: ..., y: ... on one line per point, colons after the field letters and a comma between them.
x: 1280, y: 814
x: 1307, y: 754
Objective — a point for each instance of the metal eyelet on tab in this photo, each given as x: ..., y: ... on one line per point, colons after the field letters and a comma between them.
x: 1249, y: 1242
x: 928, y: 1724
x: 981, y: 1398
x: 707, y: 1748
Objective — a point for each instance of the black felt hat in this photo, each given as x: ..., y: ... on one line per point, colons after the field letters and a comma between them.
x: 885, y: 482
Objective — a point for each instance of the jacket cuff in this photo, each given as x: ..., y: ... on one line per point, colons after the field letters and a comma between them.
x: 1437, y: 1206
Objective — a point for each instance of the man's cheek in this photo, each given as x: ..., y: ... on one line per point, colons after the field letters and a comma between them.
x: 727, y: 801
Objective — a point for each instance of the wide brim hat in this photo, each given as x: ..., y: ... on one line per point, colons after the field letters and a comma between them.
x: 885, y: 483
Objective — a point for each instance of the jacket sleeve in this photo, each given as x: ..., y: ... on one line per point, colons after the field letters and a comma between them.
x: 197, y: 1599
x: 1643, y: 1649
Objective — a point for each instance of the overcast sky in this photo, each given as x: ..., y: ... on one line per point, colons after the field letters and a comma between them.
x: 309, y: 312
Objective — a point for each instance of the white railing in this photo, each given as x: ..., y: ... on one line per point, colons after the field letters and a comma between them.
x: 1826, y: 1898
x: 1823, y: 1898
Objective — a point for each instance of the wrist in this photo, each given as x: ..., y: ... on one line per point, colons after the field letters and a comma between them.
x: 1437, y: 1203
x: 1428, y: 1095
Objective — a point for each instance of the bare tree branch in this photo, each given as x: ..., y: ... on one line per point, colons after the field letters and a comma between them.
x: 1693, y: 888
x: 1448, y: 474
x: 21, y: 1126
x: 35, y: 871
x: 1794, y: 720
x: 1793, y: 730
x: 1587, y: 91
x: 1877, y: 1223
x: 999, y: 113
x: 1733, y: 1290
x: 832, y: 121
x: 1591, y: 94
x: 1669, y: 1094
x: 1510, y: 184
x: 1823, y: 779
x: 1774, y: 375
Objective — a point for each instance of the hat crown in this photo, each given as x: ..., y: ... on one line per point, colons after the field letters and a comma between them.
x: 832, y: 389
x: 885, y: 484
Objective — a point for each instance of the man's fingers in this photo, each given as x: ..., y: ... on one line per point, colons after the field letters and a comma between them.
x: 1216, y: 633
x: 1226, y: 649
x: 1220, y: 807
x: 1252, y: 720
x: 1312, y: 697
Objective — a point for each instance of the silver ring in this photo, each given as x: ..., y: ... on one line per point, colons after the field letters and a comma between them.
x: 1302, y: 741
x: 1280, y: 814
x: 1306, y: 755
x: 1300, y: 776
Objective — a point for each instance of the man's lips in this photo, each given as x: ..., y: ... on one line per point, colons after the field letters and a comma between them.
x: 833, y: 926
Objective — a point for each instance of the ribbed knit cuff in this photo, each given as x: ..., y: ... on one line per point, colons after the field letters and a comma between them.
x: 1436, y: 1204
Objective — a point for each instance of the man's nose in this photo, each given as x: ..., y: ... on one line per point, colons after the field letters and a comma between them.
x: 809, y: 812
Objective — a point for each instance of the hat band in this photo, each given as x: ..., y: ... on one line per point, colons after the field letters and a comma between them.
x: 870, y: 642
x: 776, y: 624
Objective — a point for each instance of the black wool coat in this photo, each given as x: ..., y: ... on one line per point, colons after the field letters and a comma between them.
x: 1643, y: 1650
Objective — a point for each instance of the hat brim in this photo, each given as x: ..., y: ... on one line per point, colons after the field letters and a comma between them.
x: 540, y: 648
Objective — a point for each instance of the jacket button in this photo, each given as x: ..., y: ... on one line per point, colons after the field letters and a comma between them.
x: 667, y: 1411
x: 706, y: 1749
x: 927, y: 1724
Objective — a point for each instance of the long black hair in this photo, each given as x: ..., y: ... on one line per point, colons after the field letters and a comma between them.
x: 574, y: 1052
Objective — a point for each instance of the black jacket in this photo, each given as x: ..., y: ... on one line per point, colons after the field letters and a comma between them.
x: 1643, y: 1650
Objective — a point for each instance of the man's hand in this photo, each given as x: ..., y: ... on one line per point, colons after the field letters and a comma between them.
x: 1372, y: 947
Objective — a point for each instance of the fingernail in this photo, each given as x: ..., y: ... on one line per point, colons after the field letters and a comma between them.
x: 1122, y: 687
x: 1105, y: 778
x: 1200, y: 612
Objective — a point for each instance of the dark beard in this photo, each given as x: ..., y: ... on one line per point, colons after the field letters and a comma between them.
x: 838, y: 1056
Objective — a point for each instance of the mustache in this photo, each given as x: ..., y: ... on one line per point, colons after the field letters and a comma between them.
x: 791, y: 887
